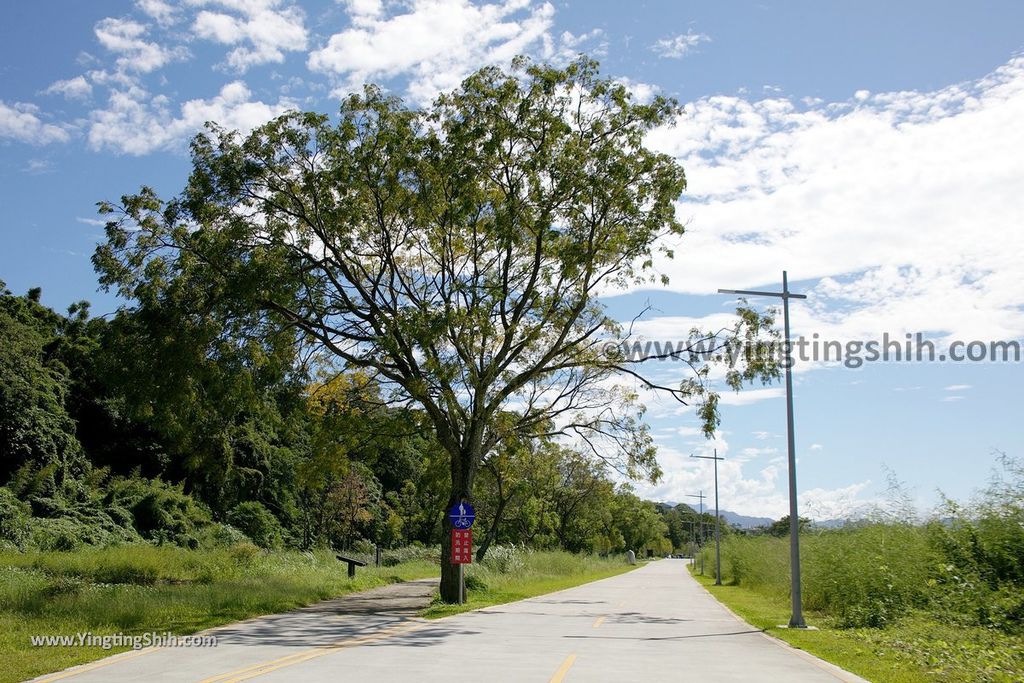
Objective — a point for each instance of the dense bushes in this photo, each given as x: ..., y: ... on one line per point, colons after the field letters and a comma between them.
x: 14, y: 516
x: 256, y: 522
x: 963, y: 567
x: 46, y: 514
x: 865, y: 575
x: 160, y: 512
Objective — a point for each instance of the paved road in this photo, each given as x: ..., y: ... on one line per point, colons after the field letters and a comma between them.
x: 655, y: 623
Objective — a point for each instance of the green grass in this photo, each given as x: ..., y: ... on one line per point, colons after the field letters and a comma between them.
x: 498, y: 581
x: 140, y: 588
x: 137, y: 589
x: 912, y: 648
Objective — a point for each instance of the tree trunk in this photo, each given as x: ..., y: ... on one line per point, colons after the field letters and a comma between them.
x: 463, y: 467
x: 492, y: 532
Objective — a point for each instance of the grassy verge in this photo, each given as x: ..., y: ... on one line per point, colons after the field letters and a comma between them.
x: 895, y: 601
x: 140, y: 589
x: 911, y: 649
x: 500, y: 580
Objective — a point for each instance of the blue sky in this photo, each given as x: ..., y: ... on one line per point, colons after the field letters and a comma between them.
x: 873, y: 149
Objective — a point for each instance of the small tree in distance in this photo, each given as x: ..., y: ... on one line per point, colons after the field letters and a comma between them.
x: 453, y: 254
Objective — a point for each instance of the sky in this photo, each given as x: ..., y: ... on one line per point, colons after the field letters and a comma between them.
x: 873, y: 150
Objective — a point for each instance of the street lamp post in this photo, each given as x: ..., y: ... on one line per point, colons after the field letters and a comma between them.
x: 718, y: 519
x: 797, y: 618
x: 700, y: 495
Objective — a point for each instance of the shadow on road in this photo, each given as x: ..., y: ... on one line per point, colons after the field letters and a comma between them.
x: 692, y: 635
x: 329, y: 622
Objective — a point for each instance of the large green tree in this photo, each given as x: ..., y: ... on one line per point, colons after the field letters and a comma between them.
x: 455, y: 253
x: 35, y: 428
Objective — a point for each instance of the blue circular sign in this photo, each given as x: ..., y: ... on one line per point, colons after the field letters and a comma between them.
x: 462, y: 515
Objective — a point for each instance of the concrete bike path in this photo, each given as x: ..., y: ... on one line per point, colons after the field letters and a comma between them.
x: 654, y: 623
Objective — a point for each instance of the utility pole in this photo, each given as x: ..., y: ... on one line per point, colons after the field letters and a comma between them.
x: 718, y: 519
x: 700, y: 495
x: 797, y: 618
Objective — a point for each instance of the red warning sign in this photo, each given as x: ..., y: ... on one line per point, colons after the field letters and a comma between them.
x: 462, y: 546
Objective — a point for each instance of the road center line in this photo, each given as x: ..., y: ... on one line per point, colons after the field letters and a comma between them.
x: 564, y: 669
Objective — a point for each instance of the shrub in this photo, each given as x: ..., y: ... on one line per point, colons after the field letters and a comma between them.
x: 160, y: 512
x: 475, y: 583
x: 218, y: 535
x: 867, y: 575
x: 244, y: 554
x: 14, y: 516
x: 256, y: 522
x: 504, y: 559
x: 411, y: 553
x: 75, y: 530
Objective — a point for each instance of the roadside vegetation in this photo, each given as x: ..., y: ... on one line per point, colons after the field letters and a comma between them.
x: 140, y: 588
x: 899, y: 600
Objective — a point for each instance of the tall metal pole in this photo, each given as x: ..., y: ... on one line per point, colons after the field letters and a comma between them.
x: 796, y: 620
x: 718, y: 520
x: 700, y: 495
x: 718, y: 530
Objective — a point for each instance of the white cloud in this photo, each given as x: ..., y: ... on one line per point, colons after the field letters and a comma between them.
x: 136, y: 123
x: 164, y: 13
x: 748, y: 396
x: 38, y: 167
x: 678, y: 45
x: 957, y: 387
x: 263, y: 30
x: 816, y: 447
x: 749, y: 488
x: 125, y: 37
x: 841, y: 503
x: 907, y: 205
x: 76, y: 88
x: 438, y: 42
x: 91, y: 221
x: 362, y: 11
x: 751, y: 453
x: 642, y: 92
x: 950, y: 399
x: 21, y: 122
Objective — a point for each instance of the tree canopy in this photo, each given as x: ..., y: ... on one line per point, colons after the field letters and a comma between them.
x: 453, y: 254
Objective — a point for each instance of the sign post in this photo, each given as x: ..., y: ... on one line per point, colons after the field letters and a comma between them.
x: 462, y: 517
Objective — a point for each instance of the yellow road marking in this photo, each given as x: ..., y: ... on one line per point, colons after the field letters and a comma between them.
x: 306, y: 655
x: 562, y: 670
x: 600, y: 620
x: 107, y: 661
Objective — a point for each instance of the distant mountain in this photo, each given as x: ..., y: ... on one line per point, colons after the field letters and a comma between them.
x: 733, y: 518
x: 744, y: 521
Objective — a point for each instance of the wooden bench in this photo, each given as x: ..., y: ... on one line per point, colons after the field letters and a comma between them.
x: 352, y: 564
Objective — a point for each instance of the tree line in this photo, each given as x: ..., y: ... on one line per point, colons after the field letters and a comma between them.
x: 119, y: 430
